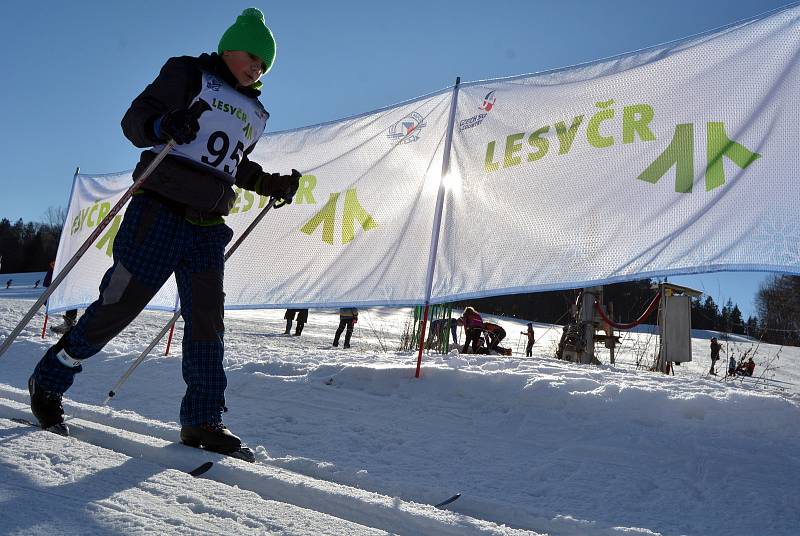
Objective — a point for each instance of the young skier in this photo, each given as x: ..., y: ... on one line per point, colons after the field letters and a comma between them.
x: 531, y: 340
x: 175, y: 224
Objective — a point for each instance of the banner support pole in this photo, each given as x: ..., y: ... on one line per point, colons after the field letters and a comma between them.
x: 437, y: 220
x: 69, y: 204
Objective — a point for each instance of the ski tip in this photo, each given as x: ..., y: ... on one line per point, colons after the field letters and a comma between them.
x: 447, y: 501
x: 25, y: 422
x: 244, y: 453
x: 197, y: 471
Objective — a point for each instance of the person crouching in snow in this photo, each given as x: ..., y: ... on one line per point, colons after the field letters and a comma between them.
x: 494, y: 335
x: 731, y: 366
x: 473, y: 329
x: 174, y: 224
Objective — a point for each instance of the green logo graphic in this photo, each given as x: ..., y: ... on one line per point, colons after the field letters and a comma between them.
x: 680, y: 153
x: 353, y: 211
x: 635, y: 126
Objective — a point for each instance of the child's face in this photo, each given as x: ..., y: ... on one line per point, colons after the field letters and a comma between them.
x: 246, y: 67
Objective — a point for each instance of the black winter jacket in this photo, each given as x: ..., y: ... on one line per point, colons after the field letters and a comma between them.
x: 179, y: 179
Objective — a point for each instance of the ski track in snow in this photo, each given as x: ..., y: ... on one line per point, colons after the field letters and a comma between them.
x: 348, y: 442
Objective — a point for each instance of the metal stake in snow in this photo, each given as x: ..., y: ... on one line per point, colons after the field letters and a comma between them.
x: 197, y: 109
x: 113, y: 392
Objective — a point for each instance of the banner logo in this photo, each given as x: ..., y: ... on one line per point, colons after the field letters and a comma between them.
x: 488, y: 102
x: 408, y: 129
x: 475, y: 120
x: 213, y: 83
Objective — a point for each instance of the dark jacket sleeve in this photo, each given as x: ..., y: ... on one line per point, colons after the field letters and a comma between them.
x: 249, y: 174
x: 174, y: 88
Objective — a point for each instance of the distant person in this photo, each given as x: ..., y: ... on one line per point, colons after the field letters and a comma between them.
x: 531, y: 340
x: 302, y: 318
x: 731, y: 366
x: 36, y: 285
x: 70, y: 319
x: 348, y: 317
x: 289, y: 317
x: 8, y: 283
x: 494, y: 336
x: 440, y: 327
x: 473, y: 329
x: 48, y: 276
x: 749, y: 367
x: 71, y: 316
x: 715, y: 348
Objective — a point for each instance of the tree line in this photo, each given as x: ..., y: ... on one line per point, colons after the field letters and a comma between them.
x: 29, y: 247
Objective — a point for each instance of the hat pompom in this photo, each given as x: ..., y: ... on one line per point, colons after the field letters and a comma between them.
x: 253, y: 12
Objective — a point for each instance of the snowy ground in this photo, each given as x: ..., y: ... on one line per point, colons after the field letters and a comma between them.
x: 348, y: 442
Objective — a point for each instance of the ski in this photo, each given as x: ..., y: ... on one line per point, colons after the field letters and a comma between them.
x: 24, y: 421
x: 447, y: 501
x: 244, y: 453
x: 60, y: 429
x: 197, y: 471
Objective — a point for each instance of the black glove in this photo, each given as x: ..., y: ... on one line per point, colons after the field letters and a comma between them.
x: 281, y: 187
x: 180, y: 125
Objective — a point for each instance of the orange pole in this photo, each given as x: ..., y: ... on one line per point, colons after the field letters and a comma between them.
x: 169, y: 339
x: 44, y: 327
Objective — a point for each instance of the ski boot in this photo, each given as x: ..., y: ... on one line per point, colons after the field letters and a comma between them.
x: 65, y: 327
x: 217, y: 438
x: 46, y: 407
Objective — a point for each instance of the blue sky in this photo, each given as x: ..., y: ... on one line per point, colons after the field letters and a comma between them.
x: 70, y: 69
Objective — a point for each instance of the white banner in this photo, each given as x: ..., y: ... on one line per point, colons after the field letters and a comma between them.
x: 673, y: 160
x: 91, y: 200
x: 358, y: 232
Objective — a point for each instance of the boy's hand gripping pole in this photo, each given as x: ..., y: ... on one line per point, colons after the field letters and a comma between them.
x: 113, y: 392
x: 197, y: 109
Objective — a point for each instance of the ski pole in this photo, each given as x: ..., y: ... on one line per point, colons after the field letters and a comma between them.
x: 113, y: 392
x: 197, y: 109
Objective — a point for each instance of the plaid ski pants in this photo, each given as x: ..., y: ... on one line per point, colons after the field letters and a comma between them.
x: 153, y: 242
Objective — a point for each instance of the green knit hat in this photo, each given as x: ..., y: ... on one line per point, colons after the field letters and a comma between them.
x: 249, y: 33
